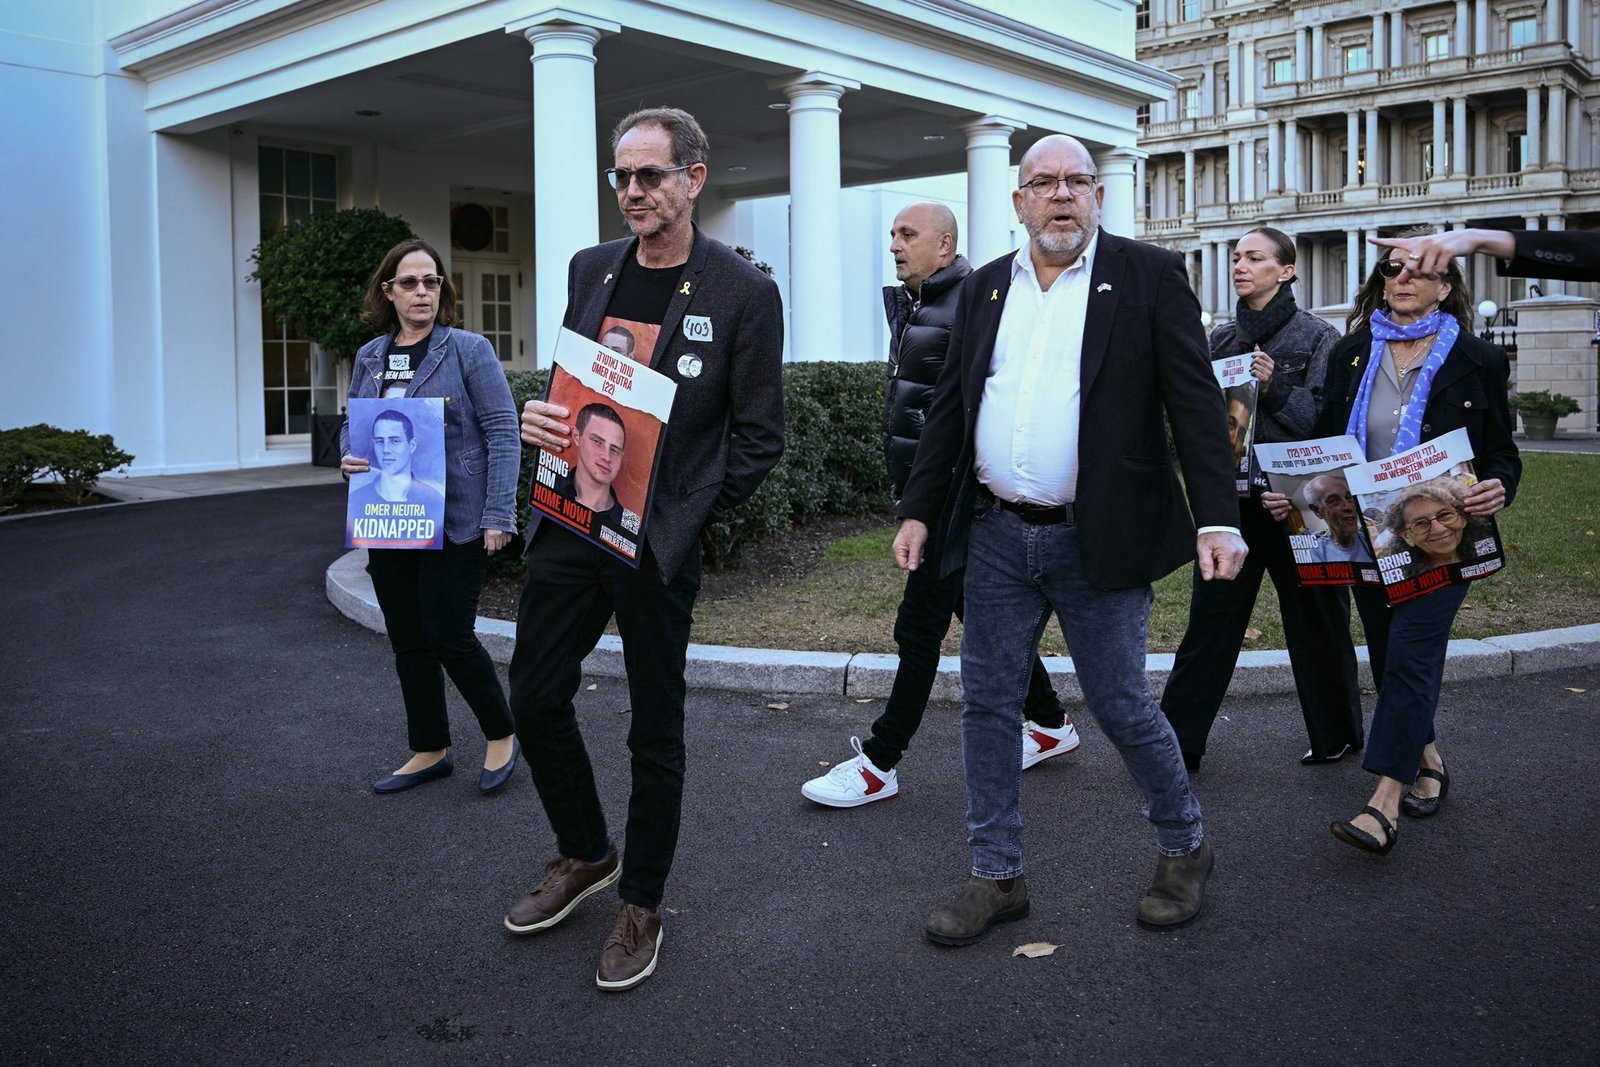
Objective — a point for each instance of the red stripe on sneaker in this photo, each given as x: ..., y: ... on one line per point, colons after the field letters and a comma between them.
x: 1043, y: 740
x: 874, y: 783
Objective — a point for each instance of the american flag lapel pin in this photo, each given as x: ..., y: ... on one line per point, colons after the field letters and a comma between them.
x: 1103, y: 287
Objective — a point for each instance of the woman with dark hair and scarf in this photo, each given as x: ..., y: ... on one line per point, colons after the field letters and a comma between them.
x: 1411, y: 370
x: 1288, y: 348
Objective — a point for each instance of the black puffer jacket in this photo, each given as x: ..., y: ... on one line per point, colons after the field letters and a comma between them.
x: 919, y: 331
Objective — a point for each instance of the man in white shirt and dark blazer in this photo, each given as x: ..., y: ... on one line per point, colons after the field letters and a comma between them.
x: 1046, y: 469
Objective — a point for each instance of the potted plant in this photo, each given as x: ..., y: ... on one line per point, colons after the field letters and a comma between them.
x: 1540, y: 409
x: 314, y: 273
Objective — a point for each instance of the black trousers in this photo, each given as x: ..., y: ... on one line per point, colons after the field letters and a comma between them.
x: 430, y: 608
x: 1316, y: 626
x: 573, y: 589
x: 920, y: 626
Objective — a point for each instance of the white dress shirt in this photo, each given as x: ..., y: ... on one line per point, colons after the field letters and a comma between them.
x: 1027, y: 433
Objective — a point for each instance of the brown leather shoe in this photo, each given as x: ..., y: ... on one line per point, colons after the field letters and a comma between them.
x: 1175, y: 895
x: 629, y: 955
x: 979, y: 906
x: 566, y: 881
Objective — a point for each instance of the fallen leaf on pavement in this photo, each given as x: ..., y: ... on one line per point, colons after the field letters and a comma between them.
x: 1034, y: 949
x: 1570, y: 689
x: 823, y: 763
x: 780, y: 706
x: 1252, y: 633
x: 863, y: 700
x: 592, y: 686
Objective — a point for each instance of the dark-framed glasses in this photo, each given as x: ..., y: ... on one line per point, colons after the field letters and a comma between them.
x: 407, y: 283
x: 1391, y: 268
x: 1449, y: 518
x: 647, y: 177
x: 1077, y: 184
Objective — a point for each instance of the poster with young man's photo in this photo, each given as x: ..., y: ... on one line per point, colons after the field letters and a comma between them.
x: 1414, y: 507
x: 1324, y: 526
x: 1239, y: 394
x: 599, y: 485
x: 399, y: 501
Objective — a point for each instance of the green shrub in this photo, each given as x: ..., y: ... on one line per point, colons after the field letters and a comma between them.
x: 76, y: 457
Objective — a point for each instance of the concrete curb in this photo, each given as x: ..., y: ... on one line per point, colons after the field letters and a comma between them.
x: 869, y: 675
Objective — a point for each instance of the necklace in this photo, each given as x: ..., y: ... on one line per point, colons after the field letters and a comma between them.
x: 1418, y: 346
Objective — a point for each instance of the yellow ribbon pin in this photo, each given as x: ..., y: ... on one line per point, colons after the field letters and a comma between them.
x: 608, y: 280
x: 995, y: 295
x: 685, y: 289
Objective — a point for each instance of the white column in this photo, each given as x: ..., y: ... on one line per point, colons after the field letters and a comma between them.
x: 1234, y: 184
x: 1441, y: 165
x: 1480, y: 27
x: 1319, y: 149
x: 815, y: 246
x: 1460, y: 33
x: 1535, y: 131
x: 1458, y: 138
x: 1480, y: 141
x: 1352, y: 133
x: 1222, y: 299
x: 1319, y: 45
x: 1352, y: 261
x: 1116, y: 168
x: 1558, y: 125
x: 1247, y: 71
x: 1397, y: 40
x: 1575, y: 23
x: 1375, y: 171
x: 1301, y: 51
x: 1291, y: 157
x: 1379, y: 48
x: 1187, y: 207
x: 1141, y: 178
x: 989, y: 211
x: 566, y: 198
x: 1247, y: 157
x: 1275, y: 157
x: 1235, y: 75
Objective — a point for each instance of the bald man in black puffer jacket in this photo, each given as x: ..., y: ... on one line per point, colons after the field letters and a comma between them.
x: 920, y: 312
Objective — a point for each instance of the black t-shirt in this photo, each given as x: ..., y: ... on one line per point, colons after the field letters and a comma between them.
x: 638, y: 304
x: 400, y: 367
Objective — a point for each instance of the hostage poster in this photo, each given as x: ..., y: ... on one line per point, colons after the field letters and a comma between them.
x: 1414, y: 507
x: 599, y: 485
x: 1325, y: 529
x: 1239, y: 391
x: 399, y: 501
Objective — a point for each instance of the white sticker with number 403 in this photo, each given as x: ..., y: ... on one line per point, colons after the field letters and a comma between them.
x: 697, y: 327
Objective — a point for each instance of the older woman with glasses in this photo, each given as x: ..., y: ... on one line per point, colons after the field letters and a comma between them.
x: 1431, y: 521
x: 1408, y: 371
x: 429, y: 599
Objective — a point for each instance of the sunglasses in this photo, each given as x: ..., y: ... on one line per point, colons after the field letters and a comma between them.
x: 1391, y: 268
x: 647, y: 177
x: 408, y: 282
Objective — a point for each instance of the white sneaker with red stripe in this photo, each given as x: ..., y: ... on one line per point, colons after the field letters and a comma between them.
x: 852, y: 783
x: 1040, y: 743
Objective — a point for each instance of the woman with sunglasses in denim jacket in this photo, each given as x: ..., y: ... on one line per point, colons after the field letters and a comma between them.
x: 1408, y: 371
x: 429, y: 599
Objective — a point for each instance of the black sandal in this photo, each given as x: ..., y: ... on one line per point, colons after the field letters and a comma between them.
x: 1352, y: 835
x: 1426, y: 807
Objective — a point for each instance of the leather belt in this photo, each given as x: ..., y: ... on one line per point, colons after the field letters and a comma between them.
x: 1033, y: 514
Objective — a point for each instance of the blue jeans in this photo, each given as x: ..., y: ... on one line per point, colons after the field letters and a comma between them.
x: 1016, y: 575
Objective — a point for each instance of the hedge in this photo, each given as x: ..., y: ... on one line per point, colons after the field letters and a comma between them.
x: 76, y: 458
x: 832, y: 464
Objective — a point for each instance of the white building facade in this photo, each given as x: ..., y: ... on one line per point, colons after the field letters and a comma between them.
x: 154, y: 143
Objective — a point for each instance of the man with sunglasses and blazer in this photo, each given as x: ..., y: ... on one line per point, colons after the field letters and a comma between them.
x: 1044, y: 467
x: 711, y: 321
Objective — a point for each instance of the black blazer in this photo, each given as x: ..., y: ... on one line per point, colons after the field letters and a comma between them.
x: 1144, y: 356
x: 726, y: 429
x: 1468, y: 392
x: 1567, y: 255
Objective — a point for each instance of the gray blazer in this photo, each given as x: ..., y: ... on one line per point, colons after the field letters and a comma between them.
x: 726, y: 429
x: 480, y: 426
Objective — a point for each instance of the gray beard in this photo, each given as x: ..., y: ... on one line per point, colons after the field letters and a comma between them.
x: 1062, y: 244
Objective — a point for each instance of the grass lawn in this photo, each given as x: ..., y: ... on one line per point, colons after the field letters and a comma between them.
x: 1552, y: 578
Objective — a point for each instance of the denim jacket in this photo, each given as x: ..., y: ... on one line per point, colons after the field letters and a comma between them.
x: 481, y: 447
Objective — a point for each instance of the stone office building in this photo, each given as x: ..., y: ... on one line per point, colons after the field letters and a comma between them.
x: 1339, y: 119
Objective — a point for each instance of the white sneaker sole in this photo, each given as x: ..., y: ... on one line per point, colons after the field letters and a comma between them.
x: 1039, y: 757
x: 564, y: 912
x: 614, y: 987
x: 886, y: 793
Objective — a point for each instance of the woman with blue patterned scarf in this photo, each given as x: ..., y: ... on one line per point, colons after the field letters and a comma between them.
x: 1408, y: 371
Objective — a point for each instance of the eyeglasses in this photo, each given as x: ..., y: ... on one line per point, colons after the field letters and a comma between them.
x: 1449, y: 518
x: 1391, y: 268
x: 647, y: 177
x: 1077, y: 185
x: 408, y: 283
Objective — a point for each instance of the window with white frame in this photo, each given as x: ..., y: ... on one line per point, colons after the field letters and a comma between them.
x: 1280, y: 70
x: 1356, y: 58
x: 1435, y: 46
x: 1523, y: 31
x: 1189, y: 102
x: 1141, y: 15
x: 1188, y: 10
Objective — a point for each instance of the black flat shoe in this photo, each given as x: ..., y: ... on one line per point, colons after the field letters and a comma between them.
x: 1426, y: 807
x: 1352, y: 835
x: 1333, y: 757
